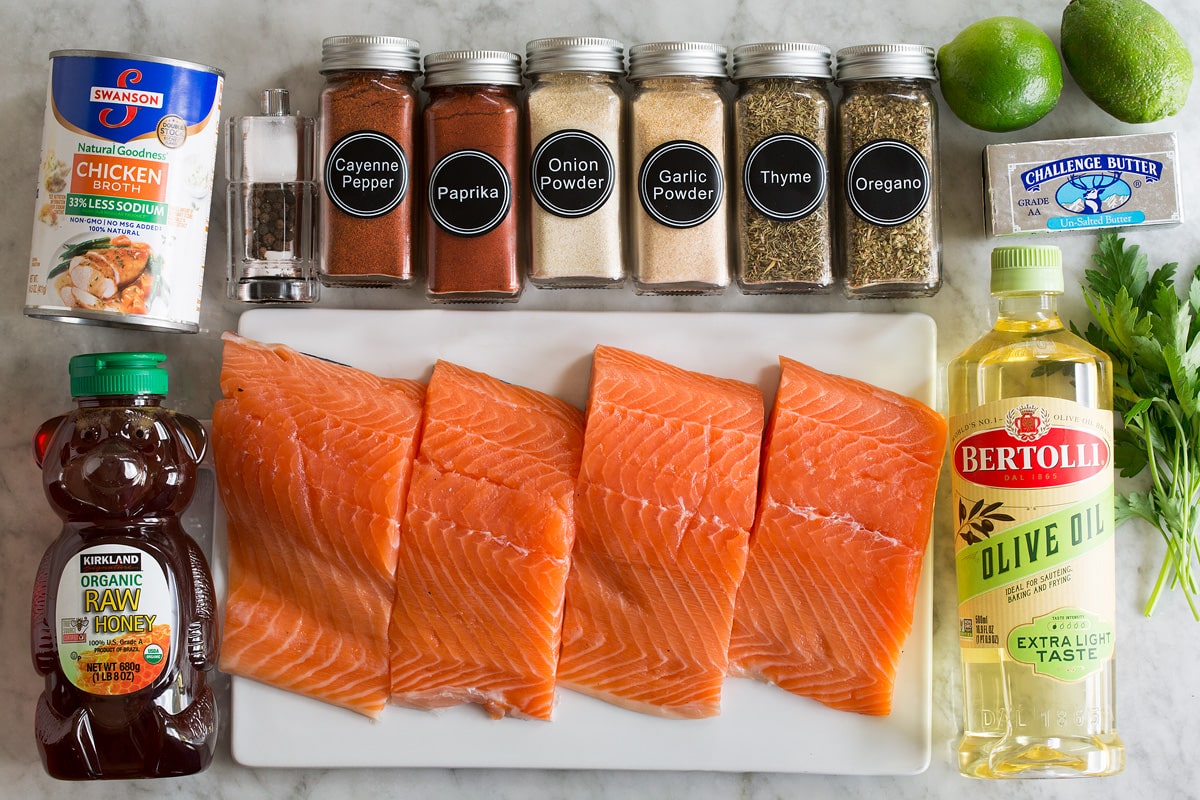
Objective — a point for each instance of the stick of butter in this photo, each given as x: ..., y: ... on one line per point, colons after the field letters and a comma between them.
x: 1082, y: 184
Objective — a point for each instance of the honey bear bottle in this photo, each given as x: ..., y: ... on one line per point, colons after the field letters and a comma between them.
x: 124, y: 626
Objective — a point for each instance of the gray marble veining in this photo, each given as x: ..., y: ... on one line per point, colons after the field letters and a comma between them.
x: 277, y: 42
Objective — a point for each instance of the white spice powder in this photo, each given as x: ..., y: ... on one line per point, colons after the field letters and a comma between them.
x: 679, y: 259
x: 585, y: 249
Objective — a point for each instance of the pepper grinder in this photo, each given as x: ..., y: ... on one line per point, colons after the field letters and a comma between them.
x: 268, y: 160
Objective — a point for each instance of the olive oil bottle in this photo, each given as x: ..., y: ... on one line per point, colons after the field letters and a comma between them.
x: 1032, y: 474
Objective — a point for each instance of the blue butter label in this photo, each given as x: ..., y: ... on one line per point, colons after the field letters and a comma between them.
x: 122, y: 99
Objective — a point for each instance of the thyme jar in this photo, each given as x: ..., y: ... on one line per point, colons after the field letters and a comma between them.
x: 782, y: 135
x: 678, y: 146
x: 890, y: 235
x: 574, y: 112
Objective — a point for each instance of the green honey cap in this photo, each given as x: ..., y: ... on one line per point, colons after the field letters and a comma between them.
x: 1027, y: 269
x: 101, y: 374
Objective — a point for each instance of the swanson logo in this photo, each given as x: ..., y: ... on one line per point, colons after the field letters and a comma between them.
x: 1094, y: 184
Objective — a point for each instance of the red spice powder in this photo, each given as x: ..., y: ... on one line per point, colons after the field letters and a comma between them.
x: 366, y: 247
x: 480, y: 266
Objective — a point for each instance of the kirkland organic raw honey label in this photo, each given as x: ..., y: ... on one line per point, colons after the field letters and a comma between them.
x: 1033, y: 495
x: 116, y: 615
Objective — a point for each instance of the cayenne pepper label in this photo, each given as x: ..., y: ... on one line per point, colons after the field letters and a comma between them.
x: 1033, y: 492
x: 116, y: 618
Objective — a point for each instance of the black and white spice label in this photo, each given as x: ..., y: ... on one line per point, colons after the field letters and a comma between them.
x: 572, y: 173
x: 785, y: 177
x: 470, y: 193
x: 887, y: 182
x: 366, y: 174
x: 680, y: 184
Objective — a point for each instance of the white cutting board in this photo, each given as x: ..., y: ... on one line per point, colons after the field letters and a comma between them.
x: 761, y: 728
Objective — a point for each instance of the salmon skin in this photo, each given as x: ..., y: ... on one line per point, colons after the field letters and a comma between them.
x: 850, y: 472
x: 666, y: 499
x: 485, y: 548
x: 313, y: 462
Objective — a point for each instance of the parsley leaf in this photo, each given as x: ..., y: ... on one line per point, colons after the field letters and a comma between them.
x: 1153, y: 337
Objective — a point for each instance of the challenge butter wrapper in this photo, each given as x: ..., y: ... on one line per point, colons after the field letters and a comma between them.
x: 1082, y: 184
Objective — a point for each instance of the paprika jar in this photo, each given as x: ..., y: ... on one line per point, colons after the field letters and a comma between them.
x: 890, y: 236
x: 574, y: 112
x: 472, y: 127
x: 783, y: 127
x: 678, y: 146
x: 368, y: 115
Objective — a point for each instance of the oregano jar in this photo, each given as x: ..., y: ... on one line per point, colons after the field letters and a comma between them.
x: 890, y: 235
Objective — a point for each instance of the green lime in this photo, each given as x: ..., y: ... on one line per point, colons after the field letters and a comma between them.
x: 1000, y: 74
x: 1127, y: 57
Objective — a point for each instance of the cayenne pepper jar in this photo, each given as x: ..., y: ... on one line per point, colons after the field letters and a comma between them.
x: 472, y: 128
x: 887, y: 126
x: 368, y: 113
x: 575, y: 114
x: 783, y: 130
x: 678, y: 146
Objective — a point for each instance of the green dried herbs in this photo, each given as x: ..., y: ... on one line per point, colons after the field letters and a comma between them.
x: 782, y: 127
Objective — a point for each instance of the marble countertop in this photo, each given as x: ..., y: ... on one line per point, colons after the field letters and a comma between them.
x: 261, y: 45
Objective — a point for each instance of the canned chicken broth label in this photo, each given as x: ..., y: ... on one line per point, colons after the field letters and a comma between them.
x: 121, y: 212
x: 1032, y: 480
x: 116, y: 617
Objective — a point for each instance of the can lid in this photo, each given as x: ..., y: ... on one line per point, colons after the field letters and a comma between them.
x: 450, y: 67
x: 574, y: 54
x: 886, y: 61
x: 1027, y: 269
x: 391, y: 53
x: 782, y: 59
x: 99, y: 374
x: 659, y: 59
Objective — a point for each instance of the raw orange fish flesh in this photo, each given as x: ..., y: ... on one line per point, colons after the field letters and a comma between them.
x: 486, y: 547
x: 313, y: 462
x: 849, y: 477
x: 666, y: 499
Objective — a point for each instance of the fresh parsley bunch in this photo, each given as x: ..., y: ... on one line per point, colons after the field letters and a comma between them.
x: 1152, y: 336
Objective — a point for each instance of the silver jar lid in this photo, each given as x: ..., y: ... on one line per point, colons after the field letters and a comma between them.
x: 659, y: 59
x: 451, y: 67
x: 886, y: 61
x: 574, y: 54
x: 391, y: 53
x: 782, y: 59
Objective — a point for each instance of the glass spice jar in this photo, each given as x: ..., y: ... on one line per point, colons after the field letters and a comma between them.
x: 368, y: 115
x: 890, y: 236
x: 472, y: 152
x: 574, y: 112
x: 782, y: 134
x: 268, y: 160
x: 678, y: 145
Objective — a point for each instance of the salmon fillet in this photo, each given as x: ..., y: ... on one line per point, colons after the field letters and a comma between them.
x: 849, y: 477
x: 666, y: 499
x: 313, y: 462
x: 486, y: 547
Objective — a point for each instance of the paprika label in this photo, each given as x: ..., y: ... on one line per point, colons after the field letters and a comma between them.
x: 116, y: 618
x: 572, y: 173
x: 1033, y: 491
x: 887, y: 182
x: 681, y: 184
x: 784, y: 177
x: 366, y: 174
x: 470, y: 193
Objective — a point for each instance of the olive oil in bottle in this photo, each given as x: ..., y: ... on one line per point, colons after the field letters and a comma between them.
x: 1032, y: 471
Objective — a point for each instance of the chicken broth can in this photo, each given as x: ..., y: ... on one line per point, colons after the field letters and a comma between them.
x: 123, y: 191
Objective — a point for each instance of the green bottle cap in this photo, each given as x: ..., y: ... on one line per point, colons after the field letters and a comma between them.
x: 1027, y: 269
x: 98, y: 374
